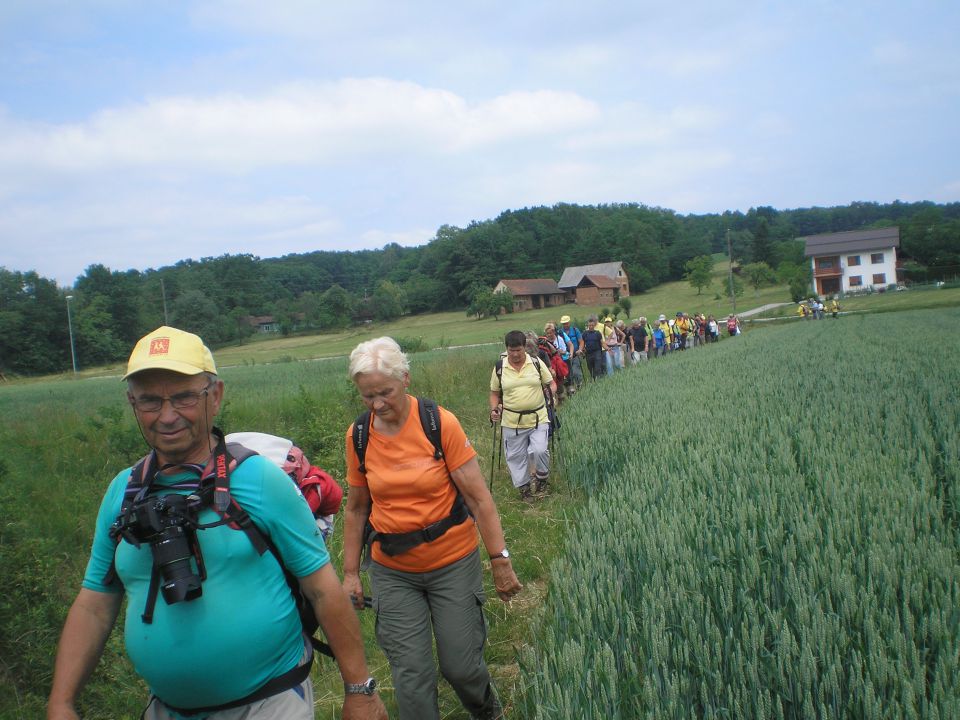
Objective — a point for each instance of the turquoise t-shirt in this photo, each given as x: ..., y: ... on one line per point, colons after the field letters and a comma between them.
x: 244, y: 629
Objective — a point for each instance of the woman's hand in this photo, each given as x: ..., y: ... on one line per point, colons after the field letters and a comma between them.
x: 354, y: 589
x: 505, y: 579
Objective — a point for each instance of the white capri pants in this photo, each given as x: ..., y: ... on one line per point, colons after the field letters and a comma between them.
x: 519, y: 444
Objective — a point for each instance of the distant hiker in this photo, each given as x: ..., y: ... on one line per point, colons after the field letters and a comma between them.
x: 682, y: 327
x: 593, y: 348
x: 700, y: 329
x: 574, y: 339
x: 612, y: 341
x: 517, y: 402
x: 192, y: 521
x: 558, y: 368
x: 662, y: 336
x: 713, y: 329
x: 638, y: 338
x: 733, y: 325
x: 417, y: 494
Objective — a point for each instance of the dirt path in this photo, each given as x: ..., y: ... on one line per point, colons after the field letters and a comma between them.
x: 762, y: 308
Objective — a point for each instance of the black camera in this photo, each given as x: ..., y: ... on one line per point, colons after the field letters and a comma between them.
x: 167, y: 523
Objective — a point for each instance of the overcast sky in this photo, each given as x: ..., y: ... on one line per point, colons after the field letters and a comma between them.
x: 137, y: 134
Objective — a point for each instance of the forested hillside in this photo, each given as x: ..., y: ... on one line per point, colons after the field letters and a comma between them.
x: 111, y: 308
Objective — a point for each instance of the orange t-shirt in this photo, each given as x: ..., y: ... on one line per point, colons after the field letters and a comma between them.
x: 411, y: 490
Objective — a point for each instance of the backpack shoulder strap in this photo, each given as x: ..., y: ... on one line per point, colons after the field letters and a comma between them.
x: 430, y: 422
x: 361, y: 436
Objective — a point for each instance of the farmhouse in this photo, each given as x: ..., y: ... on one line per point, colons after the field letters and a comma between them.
x: 532, y: 294
x: 263, y: 323
x: 855, y: 260
x: 595, y: 284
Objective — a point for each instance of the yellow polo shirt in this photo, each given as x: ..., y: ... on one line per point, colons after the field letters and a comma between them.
x: 522, y: 390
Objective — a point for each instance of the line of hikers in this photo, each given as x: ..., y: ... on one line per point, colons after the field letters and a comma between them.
x: 815, y: 309
x: 611, y: 345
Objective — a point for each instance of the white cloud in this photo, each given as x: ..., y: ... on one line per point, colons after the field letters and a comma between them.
x: 298, y: 124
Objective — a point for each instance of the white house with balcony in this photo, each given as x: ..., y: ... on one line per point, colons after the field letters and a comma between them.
x: 852, y: 261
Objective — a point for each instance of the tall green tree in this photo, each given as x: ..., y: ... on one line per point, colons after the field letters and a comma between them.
x: 700, y: 272
x: 389, y: 301
x: 34, y: 337
x: 758, y: 274
x: 338, y: 307
x: 762, y: 251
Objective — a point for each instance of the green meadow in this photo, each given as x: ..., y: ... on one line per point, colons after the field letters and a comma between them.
x: 766, y: 527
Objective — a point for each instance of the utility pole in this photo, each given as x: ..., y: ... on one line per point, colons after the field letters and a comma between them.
x: 733, y: 296
x: 73, y: 354
x: 163, y: 292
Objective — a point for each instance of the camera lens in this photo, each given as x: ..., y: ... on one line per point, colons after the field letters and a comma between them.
x: 172, y: 553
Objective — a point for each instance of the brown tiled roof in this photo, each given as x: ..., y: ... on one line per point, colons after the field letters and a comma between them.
x: 854, y: 241
x: 538, y: 286
x: 599, y: 281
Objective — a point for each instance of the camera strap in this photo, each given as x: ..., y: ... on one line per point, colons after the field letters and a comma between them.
x: 212, y: 479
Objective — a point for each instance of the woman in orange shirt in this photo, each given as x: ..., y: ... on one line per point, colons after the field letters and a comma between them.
x: 432, y: 589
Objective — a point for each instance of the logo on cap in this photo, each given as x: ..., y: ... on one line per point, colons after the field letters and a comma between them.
x: 159, y: 346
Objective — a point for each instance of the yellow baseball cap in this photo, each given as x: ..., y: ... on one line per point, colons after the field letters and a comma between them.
x: 167, y: 348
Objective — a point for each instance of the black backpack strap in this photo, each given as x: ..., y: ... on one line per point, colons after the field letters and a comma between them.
x: 361, y: 436
x: 430, y: 422
x: 136, y: 481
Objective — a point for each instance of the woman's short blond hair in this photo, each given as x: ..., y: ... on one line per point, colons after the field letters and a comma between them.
x: 382, y: 355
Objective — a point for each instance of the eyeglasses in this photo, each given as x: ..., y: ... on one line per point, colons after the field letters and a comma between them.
x: 180, y: 401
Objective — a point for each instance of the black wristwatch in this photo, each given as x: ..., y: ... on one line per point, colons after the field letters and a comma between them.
x: 365, y: 688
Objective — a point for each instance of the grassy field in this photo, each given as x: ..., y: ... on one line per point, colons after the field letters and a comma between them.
x: 61, y: 442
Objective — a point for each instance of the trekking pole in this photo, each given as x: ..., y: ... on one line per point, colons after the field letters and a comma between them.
x: 500, y: 449
x: 493, y: 452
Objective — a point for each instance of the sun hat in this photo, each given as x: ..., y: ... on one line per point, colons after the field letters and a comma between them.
x: 564, y: 319
x: 167, y: 348
x: 662, y: 318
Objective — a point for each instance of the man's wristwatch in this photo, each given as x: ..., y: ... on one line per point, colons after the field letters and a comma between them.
x: 365, y: 688
x: 502, y: 554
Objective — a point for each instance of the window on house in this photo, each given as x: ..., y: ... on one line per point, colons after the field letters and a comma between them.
x: 853, y: 260
x: 825, y: 263
x: 876, y: 258
x: 856, y: 281
x: 880, y: 279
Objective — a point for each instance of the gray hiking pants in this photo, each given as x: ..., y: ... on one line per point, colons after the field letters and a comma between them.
x: 446, y: 604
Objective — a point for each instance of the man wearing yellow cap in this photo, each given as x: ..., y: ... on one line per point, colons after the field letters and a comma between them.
x: 225, y: 640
